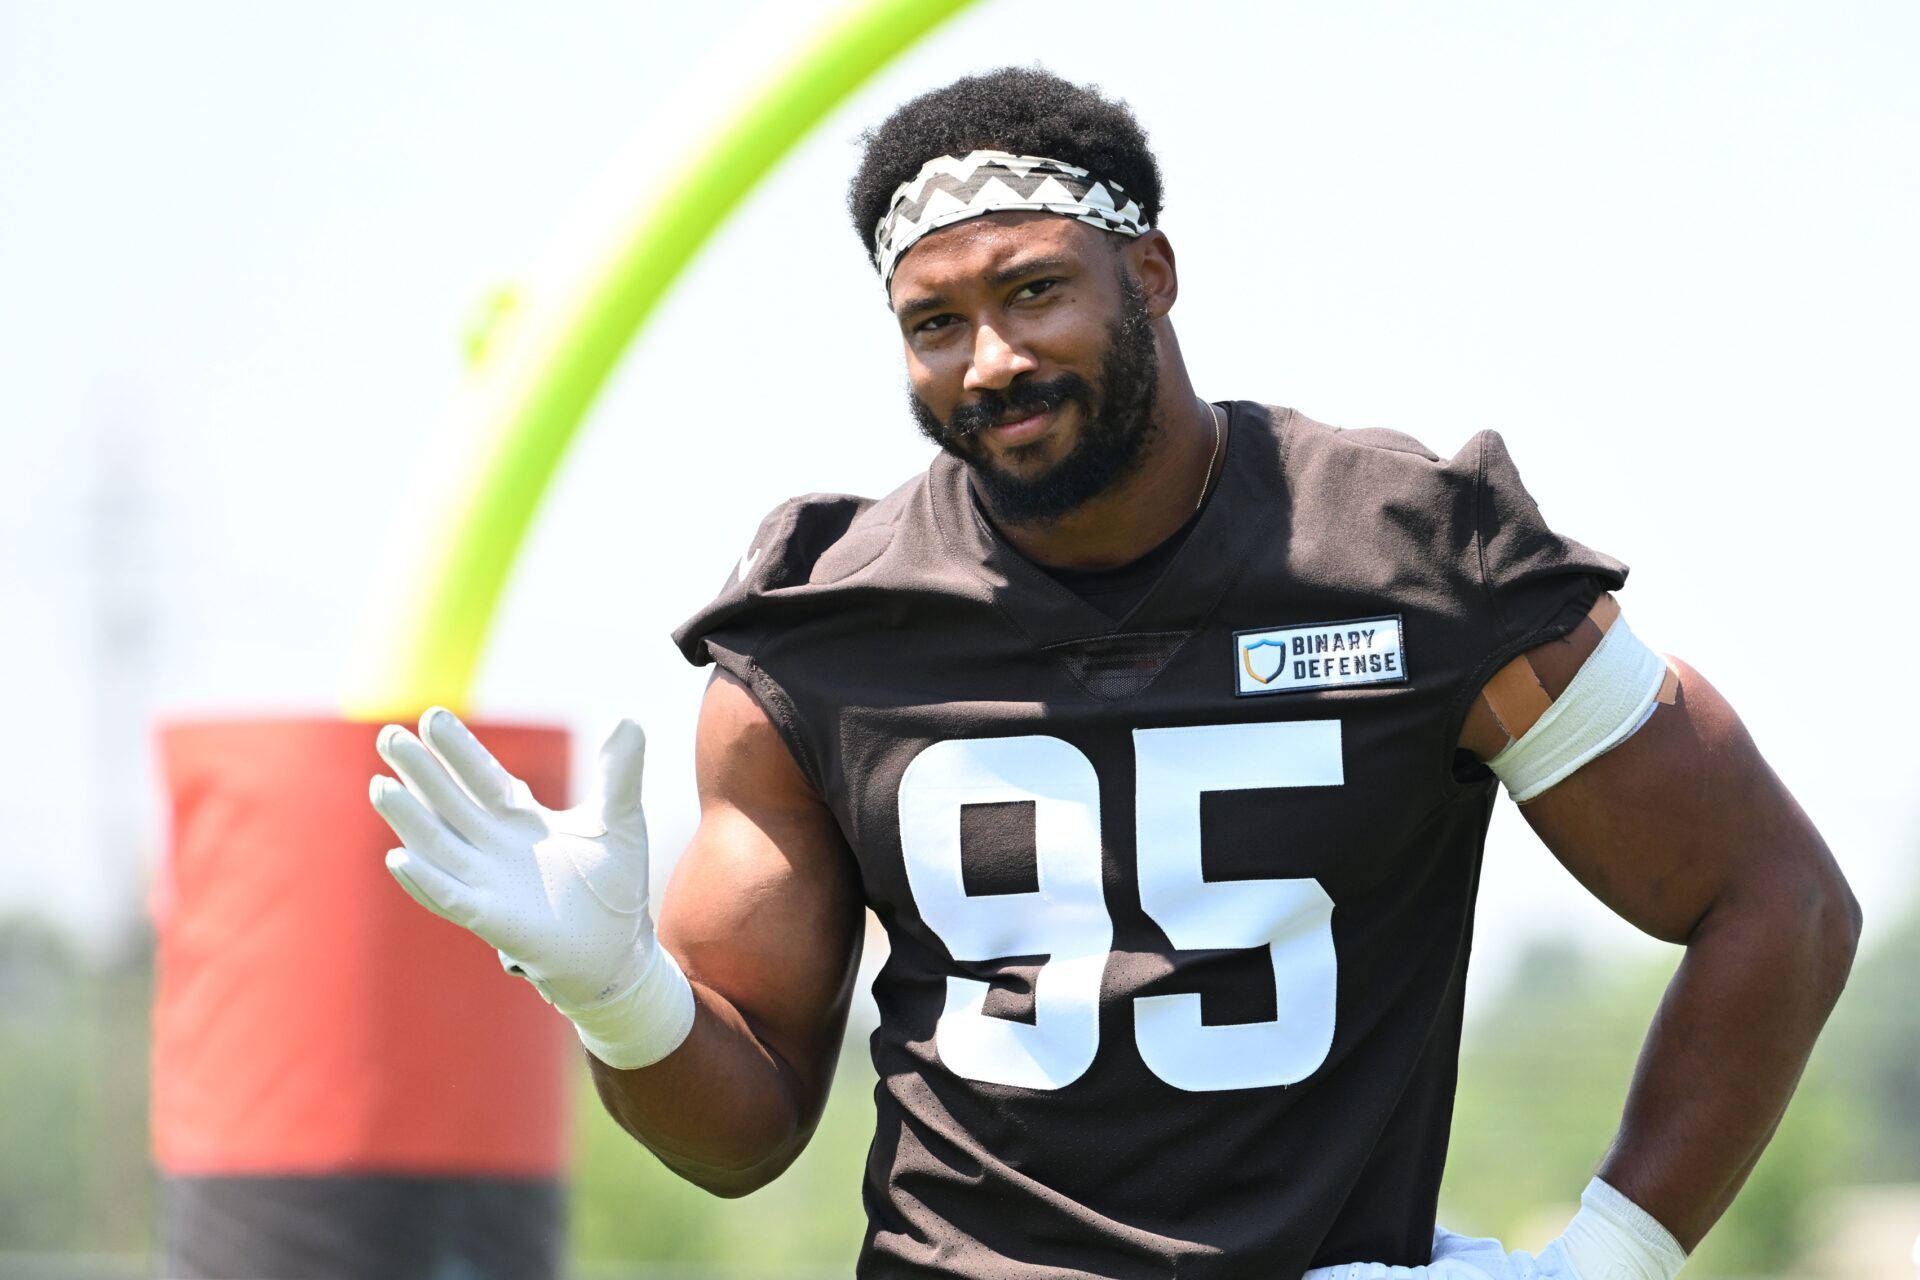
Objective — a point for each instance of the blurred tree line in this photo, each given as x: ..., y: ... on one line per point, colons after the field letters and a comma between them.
x: 74, y: 1174
x: 1543, y: 1075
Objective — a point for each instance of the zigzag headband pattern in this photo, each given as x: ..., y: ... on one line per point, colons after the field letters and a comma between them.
x: 950, y: 189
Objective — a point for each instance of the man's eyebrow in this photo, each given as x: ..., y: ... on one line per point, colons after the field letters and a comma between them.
x: 926, y: 302
x: 1030, y: 267
x: 1004, y: 276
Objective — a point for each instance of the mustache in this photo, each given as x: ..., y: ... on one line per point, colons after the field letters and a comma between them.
x: 1026, y: 397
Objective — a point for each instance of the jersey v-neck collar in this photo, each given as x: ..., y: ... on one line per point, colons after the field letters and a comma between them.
x: 1245, y: 502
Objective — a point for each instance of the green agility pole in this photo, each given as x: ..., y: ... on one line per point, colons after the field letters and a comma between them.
x: 544, y: 358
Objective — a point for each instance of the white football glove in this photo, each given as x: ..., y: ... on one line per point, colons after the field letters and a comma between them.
x: 1611, y: 1238
x: 561, y: 894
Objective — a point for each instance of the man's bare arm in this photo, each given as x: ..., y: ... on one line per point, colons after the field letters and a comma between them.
x: 763, y: 913
x: 1684, y: 831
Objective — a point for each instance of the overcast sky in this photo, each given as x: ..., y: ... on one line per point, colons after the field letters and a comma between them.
x: 1668, y: 251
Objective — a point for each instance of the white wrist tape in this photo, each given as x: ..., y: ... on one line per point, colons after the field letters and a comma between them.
x: 1611, y: 696
x: 644, y: 1023
x: 1612, y: 1238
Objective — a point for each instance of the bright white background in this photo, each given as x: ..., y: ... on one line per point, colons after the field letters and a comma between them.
x: 1669, y: 251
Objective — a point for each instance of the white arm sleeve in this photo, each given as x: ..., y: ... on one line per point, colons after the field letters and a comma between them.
x: 1611, y: 696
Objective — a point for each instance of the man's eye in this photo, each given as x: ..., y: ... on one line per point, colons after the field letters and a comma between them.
x: 931, y: 323
x: 1034, y: 288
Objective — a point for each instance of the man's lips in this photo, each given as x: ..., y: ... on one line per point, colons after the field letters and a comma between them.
x: 1021, y: 429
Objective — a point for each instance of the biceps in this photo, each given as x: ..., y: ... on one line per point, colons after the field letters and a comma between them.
x: 1678, y: 818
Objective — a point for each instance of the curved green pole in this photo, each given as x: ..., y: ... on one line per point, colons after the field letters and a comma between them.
x: 427, y: 619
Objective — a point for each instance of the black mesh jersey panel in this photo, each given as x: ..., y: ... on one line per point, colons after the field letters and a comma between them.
x: 1177, y: 961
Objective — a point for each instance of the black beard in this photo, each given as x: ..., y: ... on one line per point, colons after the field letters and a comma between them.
x: 1114, y: 440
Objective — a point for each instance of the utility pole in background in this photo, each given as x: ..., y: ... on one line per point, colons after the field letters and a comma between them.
x: 120, y: 567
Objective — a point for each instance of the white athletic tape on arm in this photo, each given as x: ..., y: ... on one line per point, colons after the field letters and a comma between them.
x: 1611, y: 696
x: 644, y: 1023
x: 1612, y: 1238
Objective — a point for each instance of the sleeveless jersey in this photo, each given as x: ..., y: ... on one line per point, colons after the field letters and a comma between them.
x: 1179, y: 905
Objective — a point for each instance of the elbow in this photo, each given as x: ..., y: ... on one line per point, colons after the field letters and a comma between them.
x: 725, y: 1186
x: 731, y: 1182
x: 1800, y: 924
x: 1838, y: 934
x: 729, y: 1190
x: 729, y: 1162
x: 739, y: 1163
x: 1824, y: 918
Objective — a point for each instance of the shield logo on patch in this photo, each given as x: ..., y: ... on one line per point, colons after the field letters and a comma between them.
x: 1263, y: 659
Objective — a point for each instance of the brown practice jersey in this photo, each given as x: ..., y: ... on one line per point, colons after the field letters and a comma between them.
x: 1180, y: 905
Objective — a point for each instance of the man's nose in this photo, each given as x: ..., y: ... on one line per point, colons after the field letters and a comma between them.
x: 996, y: 362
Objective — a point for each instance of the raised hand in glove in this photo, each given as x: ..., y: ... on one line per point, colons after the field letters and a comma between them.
x: 561, y: 894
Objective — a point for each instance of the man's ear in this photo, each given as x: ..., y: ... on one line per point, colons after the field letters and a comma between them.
x: 1150, y: 256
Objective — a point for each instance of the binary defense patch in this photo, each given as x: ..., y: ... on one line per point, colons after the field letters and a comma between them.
x: 1319, y: 655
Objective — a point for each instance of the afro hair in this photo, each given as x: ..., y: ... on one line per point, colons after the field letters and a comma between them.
x: 1024, y: 110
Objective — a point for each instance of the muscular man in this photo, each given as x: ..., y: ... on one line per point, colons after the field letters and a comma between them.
x: 1162, y: 736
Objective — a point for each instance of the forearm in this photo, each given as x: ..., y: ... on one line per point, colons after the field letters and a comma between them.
x: 1726, y: 1049
x: 724, y: 1110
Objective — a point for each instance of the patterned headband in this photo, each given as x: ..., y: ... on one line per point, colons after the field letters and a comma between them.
x: 950, y: 189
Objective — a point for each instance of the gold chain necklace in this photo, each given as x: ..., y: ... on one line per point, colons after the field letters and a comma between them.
x: 1212, y: 460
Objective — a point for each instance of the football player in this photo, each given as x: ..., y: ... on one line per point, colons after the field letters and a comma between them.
x: 1162, y: 735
